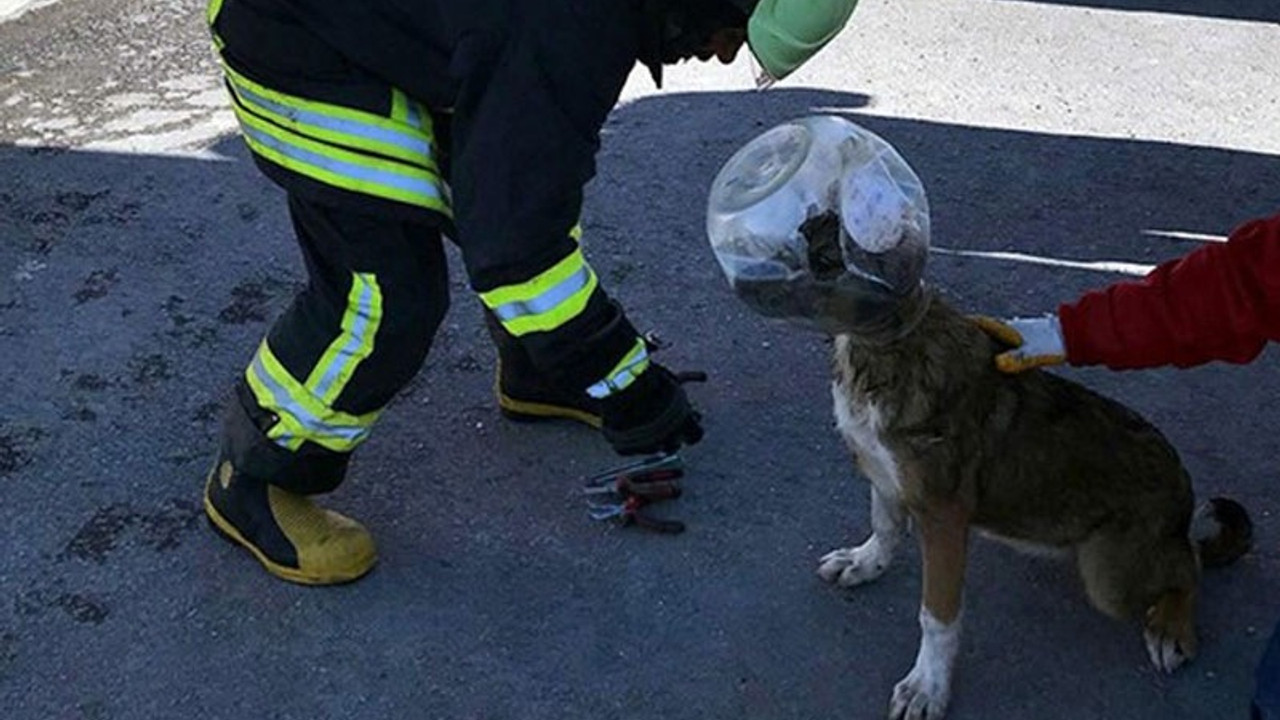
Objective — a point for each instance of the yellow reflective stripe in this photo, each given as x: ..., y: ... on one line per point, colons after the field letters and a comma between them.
x: 314, y: 407
x: 211, y: 12
x: 532, y: 288
x: 399, y: 106
x: 565, y: 311
x: 288, y: 432
x: 340, y: 125
x: 354, y: 343
x: 546, y: 301
x: 412, y: 113
x: 624, y: 373
x: 342, y: 168
x: 302, y: 416
x: 576, y: 233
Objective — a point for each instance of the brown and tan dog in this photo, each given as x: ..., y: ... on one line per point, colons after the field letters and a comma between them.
x: 951, y: 444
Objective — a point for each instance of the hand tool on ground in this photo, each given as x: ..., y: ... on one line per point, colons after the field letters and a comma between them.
x: 631, y: 487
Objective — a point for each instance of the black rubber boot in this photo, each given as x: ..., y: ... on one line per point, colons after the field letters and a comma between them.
x: 524, y: 396
x: 292, y: 537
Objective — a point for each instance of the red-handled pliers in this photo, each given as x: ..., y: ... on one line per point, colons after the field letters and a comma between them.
x: 633, y: 486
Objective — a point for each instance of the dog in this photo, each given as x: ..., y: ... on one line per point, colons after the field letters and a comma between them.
x: 950, y: 444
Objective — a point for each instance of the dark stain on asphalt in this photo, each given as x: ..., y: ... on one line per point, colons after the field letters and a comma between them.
x: 99, y: 536
x: 197, y: 336
x: 126, y: 213
x: 90, y: 382
x: 191, y: 329
x: 160, y: 529
x: 17, y: 448
x: 150, y: 369
x: 49, y: 217
x: 81, y: 608
x: 8, y: 650
x: 208, y: 412
x: 36, y: 601
x: 248, y: 303
x: 171, y: 307
x: 164, y: 530
x: 47, y: 227
x: 97, y: 285
x: 79, y: 201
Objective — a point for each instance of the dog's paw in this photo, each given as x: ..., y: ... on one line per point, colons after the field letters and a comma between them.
x: 1170, y: 632
x: 1166, y: 652
x: 848, y: 567
x: 921, y: 695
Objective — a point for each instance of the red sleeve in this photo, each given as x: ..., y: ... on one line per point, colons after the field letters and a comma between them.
x: 1220, y: 302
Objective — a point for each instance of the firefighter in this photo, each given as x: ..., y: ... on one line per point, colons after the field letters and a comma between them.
x: 393, y: 124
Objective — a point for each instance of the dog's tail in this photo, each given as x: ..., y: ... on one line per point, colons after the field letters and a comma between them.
x: 1222, y: 531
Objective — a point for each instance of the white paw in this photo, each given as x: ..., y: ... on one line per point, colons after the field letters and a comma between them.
x: 847, y: 567
x: 921, y: 695
x: 1165, y: 652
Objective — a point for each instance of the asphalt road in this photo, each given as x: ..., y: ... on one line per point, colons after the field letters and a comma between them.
x: 142, y: 257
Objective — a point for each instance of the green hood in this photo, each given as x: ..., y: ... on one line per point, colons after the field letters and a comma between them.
x: 784, y: 34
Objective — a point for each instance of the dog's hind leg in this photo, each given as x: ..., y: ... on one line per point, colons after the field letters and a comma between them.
x: 1156, y: 579
x: 924, y: 693
x: 856, y: 565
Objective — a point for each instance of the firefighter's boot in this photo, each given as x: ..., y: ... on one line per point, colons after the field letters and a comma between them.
x: 524, y: 395
x: 291, y: 536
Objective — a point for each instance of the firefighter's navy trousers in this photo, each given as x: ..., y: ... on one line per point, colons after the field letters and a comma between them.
x: 358, y: 161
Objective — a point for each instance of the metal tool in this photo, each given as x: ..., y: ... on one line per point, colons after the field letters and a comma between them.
x: 631, y: 487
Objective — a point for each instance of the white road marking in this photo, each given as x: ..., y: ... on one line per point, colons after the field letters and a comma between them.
x: 1109, y: 266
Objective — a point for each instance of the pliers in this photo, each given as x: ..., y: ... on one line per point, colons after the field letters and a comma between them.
x: 630, y: 487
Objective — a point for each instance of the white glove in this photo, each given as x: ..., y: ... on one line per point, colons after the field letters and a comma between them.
x: 1036, y: 342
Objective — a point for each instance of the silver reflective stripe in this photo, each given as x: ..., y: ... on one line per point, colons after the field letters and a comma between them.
x: 355, y: 339
x: 360, y: 173
x: 622, y: 377
x: 412, y: 143
x: 548, y: 300
x: 313, y: 425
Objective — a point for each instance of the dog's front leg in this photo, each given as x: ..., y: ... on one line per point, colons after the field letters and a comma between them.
x: 856, y: 565
x: 924, y: 693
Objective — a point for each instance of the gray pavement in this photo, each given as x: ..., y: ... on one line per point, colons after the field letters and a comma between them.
x: 142, y: 257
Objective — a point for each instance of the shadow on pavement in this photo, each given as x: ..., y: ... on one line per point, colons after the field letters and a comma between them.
x: 1255, y: 10
x: 133, y: 288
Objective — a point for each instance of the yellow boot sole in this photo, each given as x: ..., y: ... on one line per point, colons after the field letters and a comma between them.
x: 530, y: 411
x: 522, y: 411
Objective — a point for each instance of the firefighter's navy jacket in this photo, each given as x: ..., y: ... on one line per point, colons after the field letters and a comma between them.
x: 510, y: 95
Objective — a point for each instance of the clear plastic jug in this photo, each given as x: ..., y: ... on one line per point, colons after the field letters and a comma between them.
x: 820, y: 222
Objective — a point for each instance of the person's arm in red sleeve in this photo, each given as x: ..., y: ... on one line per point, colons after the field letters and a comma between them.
x: 1220, y: 302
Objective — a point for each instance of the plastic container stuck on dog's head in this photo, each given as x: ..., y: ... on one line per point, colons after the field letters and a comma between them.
x: 820, y: 222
